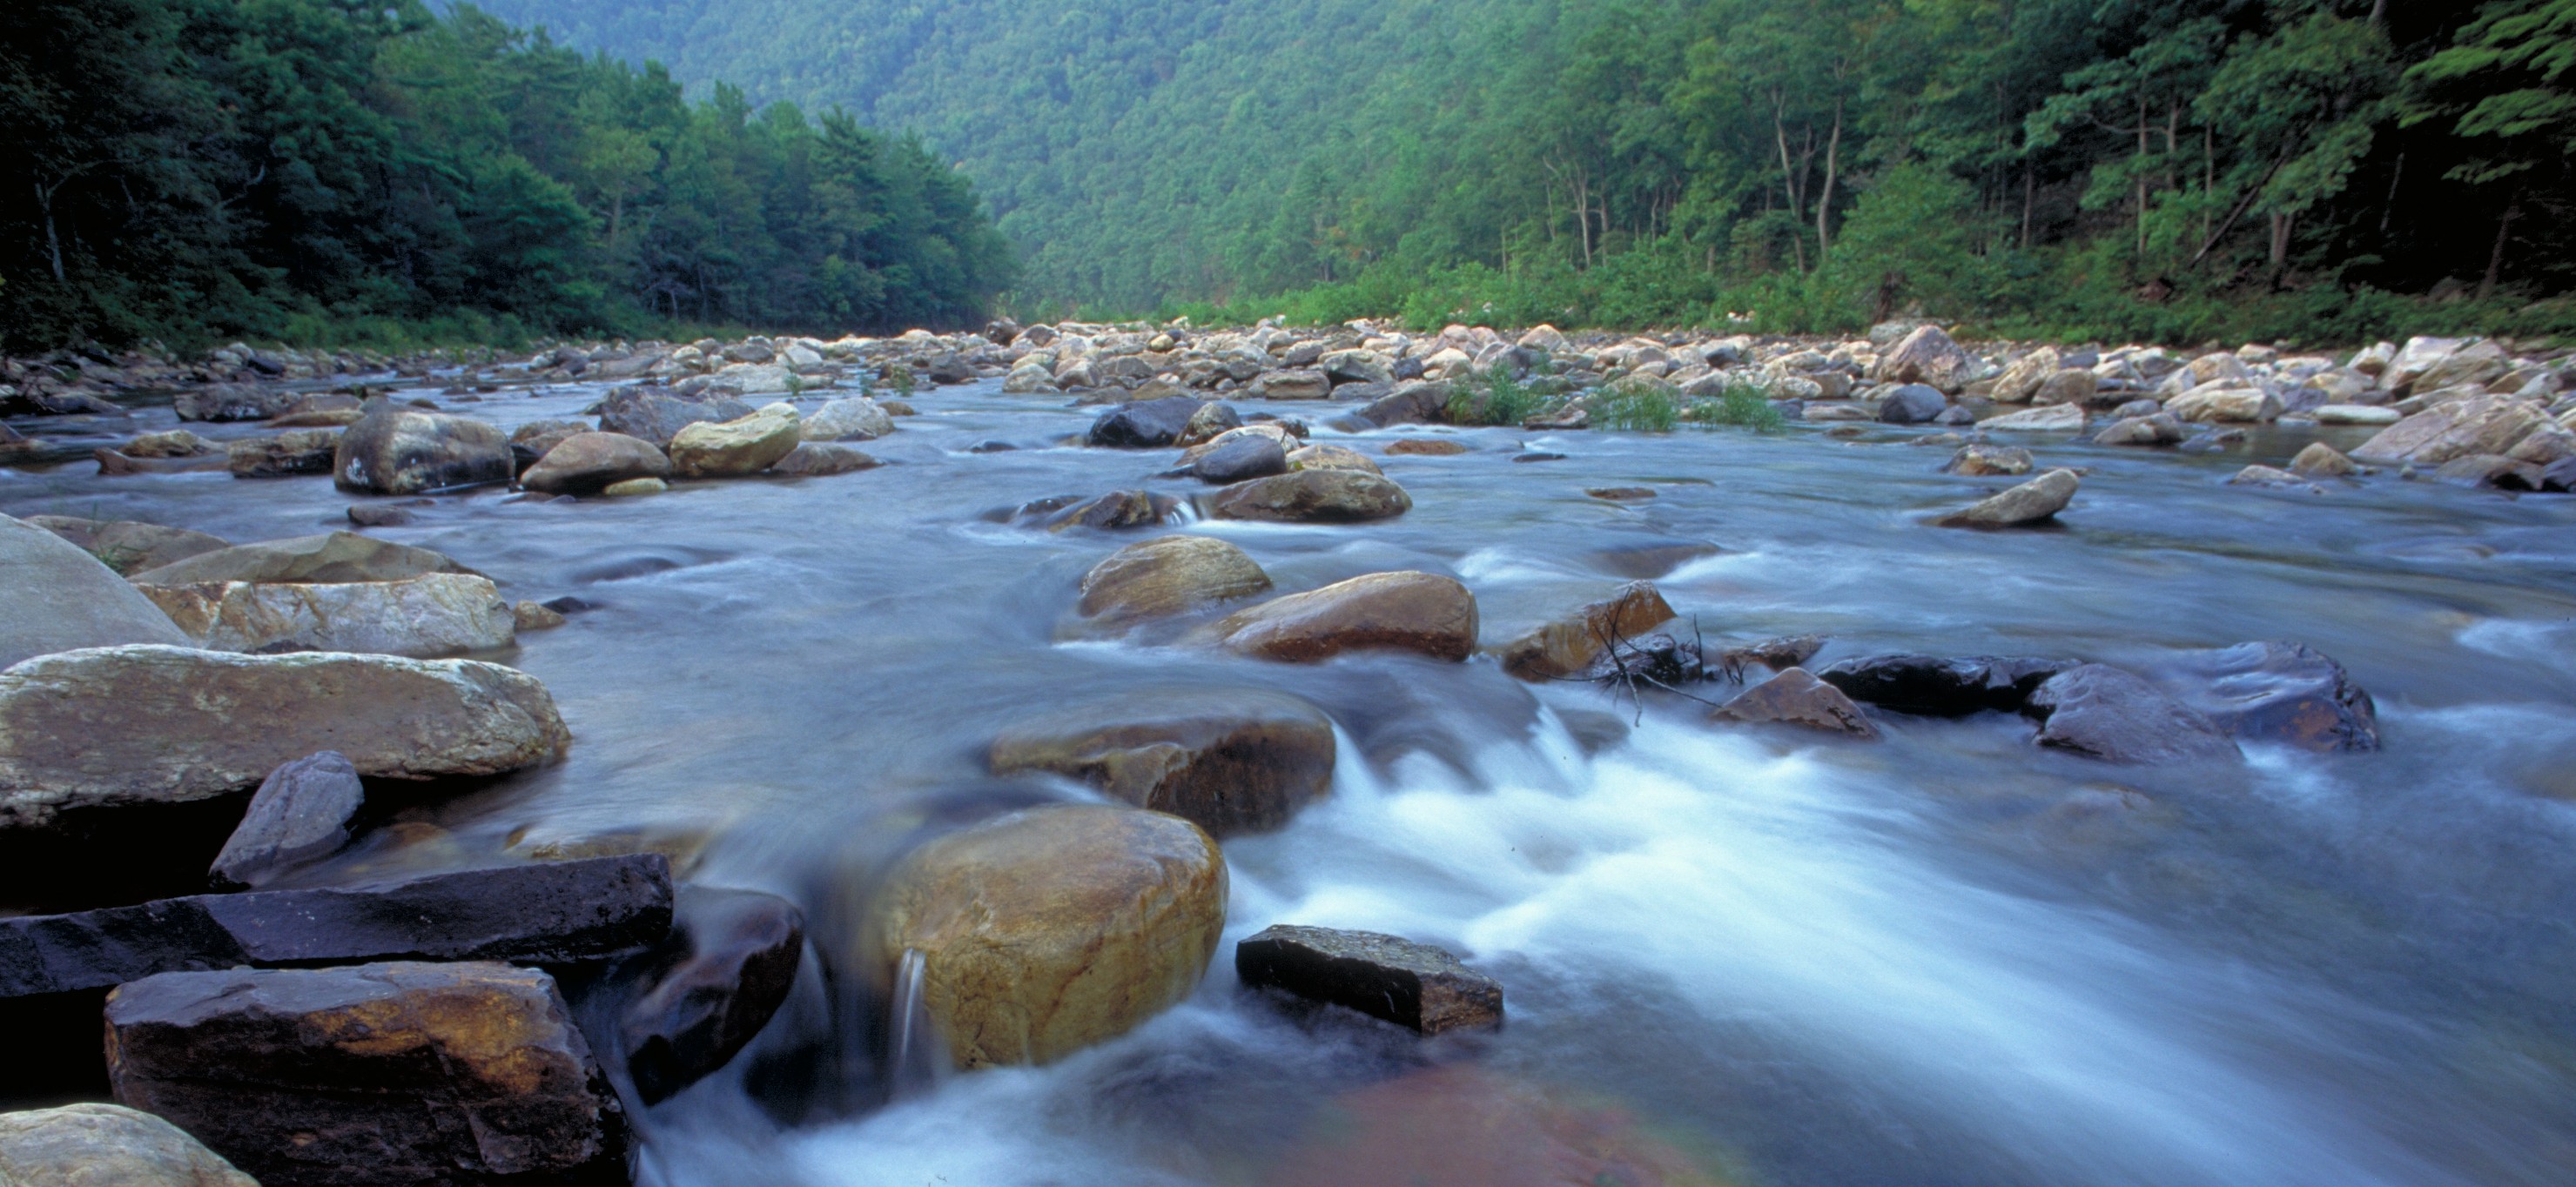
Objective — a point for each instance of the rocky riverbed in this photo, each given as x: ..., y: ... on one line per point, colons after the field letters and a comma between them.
x: 1072, y: 754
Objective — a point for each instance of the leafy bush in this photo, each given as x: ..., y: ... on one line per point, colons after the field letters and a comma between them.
x: 1739, y: 406
x: 1495, y: 398
x: 1642, y: 407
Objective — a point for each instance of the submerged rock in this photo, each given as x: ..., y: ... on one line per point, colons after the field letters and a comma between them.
x: 304, y: 811
x: 1112, y: 511
x: 426, y: 617
x: 1415, y: 986
x: 150, y: 724
x: 2288, y: 693
x: 727, y: 967
x: 397, y: 1073
x: 1426, y: 447
x: 822, y: 459
x: 1407, y: 611
x: 1169, y: 575
x: 1314, y: 496
x: 1980, y: 461
x: 1049, y: 929
x: 1931, y: 686
x: 308, y: 560
x: 1229, y: 762
x: 1795, y: 697
x: 2104, y: 712
x: 103, y: 1145
x: 59, y: 598
x: 2038, y: 499
x: 404, y: 451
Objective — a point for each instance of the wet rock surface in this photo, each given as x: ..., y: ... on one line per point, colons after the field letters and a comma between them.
x: 1230, y: 762
x: 729, y: 964
x: 1169, y: 576
x: 104, y: 1145
x: 1933, y: 686
x: 1418, y: 612
x: 2104, y: 712
x: 1795, y: 697
x: 1416, y: 986
x: 401, y: 451
x: 1315, y: 496
x: 304, y: 811
x: 59, y: 598
x: 430, y: 616
x: 333, y: 557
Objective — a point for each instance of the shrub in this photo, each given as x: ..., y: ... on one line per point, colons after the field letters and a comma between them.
x: 1642, y: 407
x: 1739, y: 406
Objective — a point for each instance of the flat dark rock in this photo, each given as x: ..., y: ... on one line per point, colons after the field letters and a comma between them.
x: 1411, y: 985
x: 2114, y: 715
x: 550, y: 913
x: 726, y: 968
x: 1145, y: 423
x: 1932, y: 686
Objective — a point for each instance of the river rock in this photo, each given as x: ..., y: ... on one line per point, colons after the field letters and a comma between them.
x: 856, y: 418
x: 113, y: 464
x: 2046, y: 418
x: 1796, y: 697
x: 1419, y: 401
x: 728, y: 965
x: 1278, y: 434
x: 2320, y: 460
x: 531, y: 442
x: 2282, y: 692
x: 733, y: 448
x: 1932, y: 686
x: 1241, y: 459
x: 174, y: 443
x: 1145, y: 424
x: 1982, y: 461
x: 1229, y: 762
x: 1293, y: 384
x: 2114, y: 715
x: 1569, y: 644
x: 822, y: 459
x: 303, y: 812
x: 1415, y: 986
x: 396, y: 450
x: 2355, y: 414
x: 152, y: 724
x: 656, y: 415
x: 544, y: 912
x: 1112, y: 511
x: 1426, y: 447
x: 384, y: 1074
x: 231, y: 401
x: 1927, y: 356
x: 1213, y: 420
x: 2459, y: 428
x: 425, y: 617
x: 311, y: 560
x: 2266, y: 476
x: 1331, y: 457
x: 301, y: 451
x: 2161, y: 428
x: 1314, y: 496
x: 103, y: 1145
x: 1169, y: 575
x: 2476, y: 363
x: 2020, y: 381
x: 60, y: 598
x: 2034, y: 501
x: 127, y: 546
x: 2073, y: 385
x: 2229, y: 405
x: 586, y: 463
x: 1050, y: 929
x: 1911, y: 404
x: 1407, y: 611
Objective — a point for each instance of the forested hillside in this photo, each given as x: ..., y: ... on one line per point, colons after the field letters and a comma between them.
x: 320, y: 169
x: 2169, y: 167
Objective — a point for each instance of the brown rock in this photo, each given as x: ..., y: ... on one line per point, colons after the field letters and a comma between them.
x: 1426, y: 446
x: 310, y: 560
x: 1986, y: 460
x: 1229, y: 762
x: 1568, y: 644
x: 1314, y: 496
x: 300, y: 451
x: 1331, y: 457
x: 586, y: 463
x: 1169, y: 575
x: 2320, y: 460
x: 1795, y: 697
x: 1412, y: 985
x: 1407, y: 611
x: 2033, y: 501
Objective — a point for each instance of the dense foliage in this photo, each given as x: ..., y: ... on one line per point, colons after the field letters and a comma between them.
x: 2176, y: 168
x: 308, y: 169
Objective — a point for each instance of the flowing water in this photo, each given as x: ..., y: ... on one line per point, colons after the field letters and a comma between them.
x: 1730, y: 955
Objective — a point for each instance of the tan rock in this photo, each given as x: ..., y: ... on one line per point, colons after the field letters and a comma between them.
x: 633, y: 487
x: 535, y: 616
x: 1986, y: 460
x: 1331, y: 457
x: 102, y: 1145
x: 1928, y: 356
x: 1568, y: 645
x: 1426, y: 446
x: 2073, y: 385
x: 584, y: 463
x: 311, y: 560
x: 2038, y: 499
x: 1048, y: 930
x: 2021, y: 380
x: 174, y: 443
x: 1230, y: 762
x: 1169, y: 575
x: 736, y: 447
x: 426, y: 617
x: 1314, y: 496
x: 127, y: 546
x: 2481, y: 425
x: 2226, y: 405
x: 1407, y: 611
x: 2047, y: 418
x: 1796, y: 697
x: 2322, y: 460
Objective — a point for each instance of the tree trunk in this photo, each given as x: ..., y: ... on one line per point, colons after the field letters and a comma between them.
x: 2281, y: 243
x: 2141, y: 186
x: 1825, y: 197
x: 53, y: 242
x: 2495, y: 258
x: 2029, y: 185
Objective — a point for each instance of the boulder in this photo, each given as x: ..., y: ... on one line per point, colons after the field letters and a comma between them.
x: 531, y: 442
x: 396, y: 450
x: 1298, y: 384
x: 545, y: 913
x: 60, y: 598
x: 1796, y: 697
x: 821, y: 459
x: 2114, y: 715
x: 1911, y: 404
x: 1406, y: 611
x: 1927, y: 356
x: 103, y: 1145
x: 1330, y: 457
x: 1415, y: 986
x: 857, y: 418
x: 1274, y: 433
x: 1356, y: 366
x: 2161, y: 428
x: 1169, y: 575
x: 535, y: 616
x: 2320, y: 460
x: 2044, y: 419
x: 425, y: 617
x: 727, y: 449
x: 1314, y: 496
x: 152, y: 724
x: 231, y: 401
x: 2074, y: 385
x: 2034, y: 501
x: 2226, y: 405
x: 113, y: 464
x: 1931, y: 686
x: 1568, y: 644
x: 2020, y: 381
x: 1418, y: 401
x: 1982, y: 461
x: 2459, y: 428
x: 1145, y: 424
x: 727, y: 966
x: 1229, y: 762
x: 656, y: 415
x: 2476, y: 364
x: 303, y: 812
x: 310, y: 560
x: 302, y: 451
x: 2289, y: 693
x: 383, y: 1074
x: 125, y: 545
x: 1241, y: 459
x: 1214, y: 421
x: 587, y: 463
x: 1047, y: 930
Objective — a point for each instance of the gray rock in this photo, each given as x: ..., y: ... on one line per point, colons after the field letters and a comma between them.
x: 396, y: 450
x: 658, y: 414
x: 1412, y: 985
x: 1231, y: 762
x: 1796, y: 697
x: 302, y: 451
x: 302, y: 813
x: 857, y: 418
x: 103, y: 1145
x: 2289, y: 693
x: 310, y: 560
x: 2156, y: 428
x: 821, y: 459
x: 1315, y: 496
x: 1239, y: 459
x: 1912, y: 404
x: 1933, y: 686
x: 1145, y: 424
x: 127, y: 546
x: 2114, y: 715
x: 60, y: 598
x: 231, y: 401
x: 2034, y: 501
x: 426, y: 617
x: 587, y: 463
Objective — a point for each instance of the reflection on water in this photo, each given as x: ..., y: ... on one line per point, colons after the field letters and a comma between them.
x: 1731, y: 956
